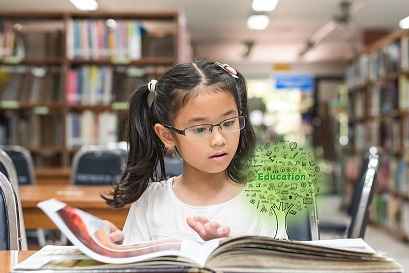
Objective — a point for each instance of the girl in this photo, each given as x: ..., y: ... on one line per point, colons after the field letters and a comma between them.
x: 200, y: 110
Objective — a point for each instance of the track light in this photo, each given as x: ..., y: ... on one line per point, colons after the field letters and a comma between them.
x: 404, y: 23
x: 264, y: 5
x: 85, y: 4
x: 257, y: 21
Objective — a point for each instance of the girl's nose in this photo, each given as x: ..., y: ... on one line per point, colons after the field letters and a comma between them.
x: 216, y: 137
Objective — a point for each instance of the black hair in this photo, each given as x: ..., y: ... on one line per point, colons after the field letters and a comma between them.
x: 181, y: 83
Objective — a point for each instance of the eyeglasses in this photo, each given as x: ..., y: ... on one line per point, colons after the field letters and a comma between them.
x: 204, y: 130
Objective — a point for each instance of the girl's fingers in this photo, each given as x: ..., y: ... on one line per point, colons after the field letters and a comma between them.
x: 207, y: 229
x: 117, y: 236
x: 196, y: 226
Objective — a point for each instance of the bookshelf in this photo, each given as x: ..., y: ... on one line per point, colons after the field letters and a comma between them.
x: 65, y: 77
x: 378, y: 104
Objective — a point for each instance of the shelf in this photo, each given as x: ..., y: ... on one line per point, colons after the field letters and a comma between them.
x: 63, y: 73
x: 378, y: 107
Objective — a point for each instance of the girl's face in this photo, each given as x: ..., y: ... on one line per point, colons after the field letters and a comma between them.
x: 213, y: 153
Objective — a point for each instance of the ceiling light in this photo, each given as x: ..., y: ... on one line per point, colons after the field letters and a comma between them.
x: 259, y: 21
x: 264, y: 5
x: 404, y: 23
x: 85, y: 4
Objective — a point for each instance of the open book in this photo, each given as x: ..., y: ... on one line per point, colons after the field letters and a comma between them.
x: 92, y: 251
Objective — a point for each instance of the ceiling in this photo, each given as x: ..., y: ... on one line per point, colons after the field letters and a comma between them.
x: 218, y: 27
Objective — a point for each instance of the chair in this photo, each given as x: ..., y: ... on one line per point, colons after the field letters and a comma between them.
x: 24, y: 166
x: 304, y: 225
x: 98, y: 165
x: 7, y: 169
x: 23, y: 162
x: 10, y: 236
x: 173, y: 166
x: 360, y: 203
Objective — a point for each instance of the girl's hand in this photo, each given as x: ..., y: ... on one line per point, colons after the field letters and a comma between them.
x: 206, y: 229
x: 116, y: 235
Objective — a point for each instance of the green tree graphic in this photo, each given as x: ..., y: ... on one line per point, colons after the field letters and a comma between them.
x: 282, y: 178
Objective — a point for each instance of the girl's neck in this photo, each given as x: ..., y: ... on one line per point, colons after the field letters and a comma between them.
x: 205, y: 189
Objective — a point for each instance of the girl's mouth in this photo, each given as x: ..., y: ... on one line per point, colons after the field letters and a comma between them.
x: 219, y: 157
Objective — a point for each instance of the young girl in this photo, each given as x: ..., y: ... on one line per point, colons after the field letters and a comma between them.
x: 200, y: 110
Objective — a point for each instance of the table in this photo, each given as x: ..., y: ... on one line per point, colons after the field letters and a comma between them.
x: 10, y: 258
x: 86, y: 198
x: 52, y: 176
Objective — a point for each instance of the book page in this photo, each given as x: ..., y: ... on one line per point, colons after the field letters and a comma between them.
x: 70, y: 259
x: 353, y: 244
x: 91, y: 236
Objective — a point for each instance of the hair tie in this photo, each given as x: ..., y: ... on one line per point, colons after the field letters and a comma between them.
x: 152, y: 86
x: 228, y: 69
x: 152, y: 94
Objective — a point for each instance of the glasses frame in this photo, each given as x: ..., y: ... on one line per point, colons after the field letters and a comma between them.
x: 183, y: 132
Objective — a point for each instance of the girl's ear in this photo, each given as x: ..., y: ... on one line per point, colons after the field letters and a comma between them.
x: 165, y: 135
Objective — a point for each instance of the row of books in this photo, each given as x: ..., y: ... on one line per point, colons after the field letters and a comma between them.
x: 357, y: 104
x: 404, y: 92
x: 86, y: 85
x: 84, y: 127
x: 385, y: 133
x: 86, y: 39
x: 89, y: 85
x: 92, y: 85
x: 104, y: 39
x: 380, y: 99
x: 392, y: 176
x: 391, y: 134
x: 376, y: 64
x: 390, y: 207
x: 6, y: 39
x: 30, y: 130
x: 31, y: 84
x: 391, y: 212
x: 90, y: 128
x: 31, y: 42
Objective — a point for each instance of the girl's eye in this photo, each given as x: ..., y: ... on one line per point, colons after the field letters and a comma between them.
x: 198, y: 130
x: 228, y: 123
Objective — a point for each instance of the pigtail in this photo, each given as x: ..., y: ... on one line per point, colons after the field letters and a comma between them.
x: 245, y: 149
x: 145, y: 149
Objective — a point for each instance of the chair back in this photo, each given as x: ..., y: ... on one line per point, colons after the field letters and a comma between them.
x: 8, y: 169
x: 357, y: 185
x: 304, y: 225
x: 98, y: 165
x: 9, y: 217
x: 173, y: 166
x: 23, y: 163
x: 363, y: 197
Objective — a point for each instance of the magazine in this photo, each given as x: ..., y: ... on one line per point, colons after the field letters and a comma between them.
x: 93, y: 250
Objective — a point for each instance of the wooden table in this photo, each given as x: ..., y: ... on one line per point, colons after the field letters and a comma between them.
x: 86, y: 198
x: 10, y: 258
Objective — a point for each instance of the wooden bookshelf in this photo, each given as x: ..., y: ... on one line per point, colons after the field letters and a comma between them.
x: 378, y: 98
x: 62, y: 73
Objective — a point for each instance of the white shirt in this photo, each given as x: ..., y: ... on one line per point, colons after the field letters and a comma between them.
x: 159, y: 214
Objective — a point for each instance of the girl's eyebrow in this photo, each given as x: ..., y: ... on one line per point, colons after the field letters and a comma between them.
x: 232, y: 111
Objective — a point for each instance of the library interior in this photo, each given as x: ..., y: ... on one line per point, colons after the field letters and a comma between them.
x: 331, y: 76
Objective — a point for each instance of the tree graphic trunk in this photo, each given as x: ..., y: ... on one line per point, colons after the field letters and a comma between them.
x: 281, y: 212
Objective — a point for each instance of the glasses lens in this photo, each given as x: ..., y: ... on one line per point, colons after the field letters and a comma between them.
x: 197, y: 132
x: 233, y: 124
